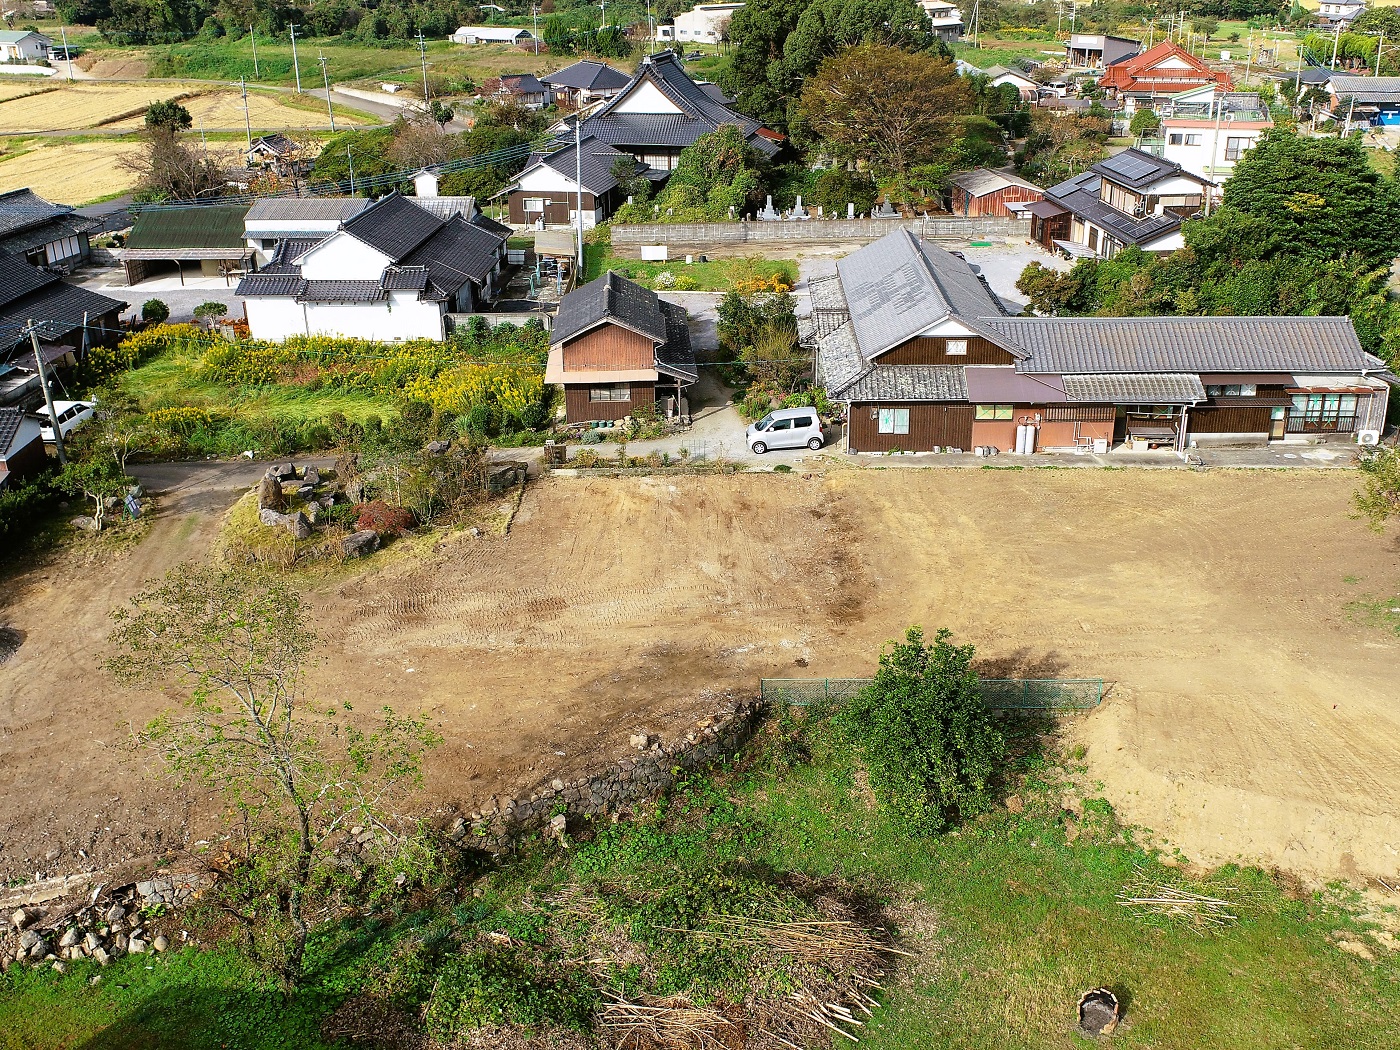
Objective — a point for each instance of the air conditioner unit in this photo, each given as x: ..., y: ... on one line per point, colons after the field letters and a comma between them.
x: 1368, y: 437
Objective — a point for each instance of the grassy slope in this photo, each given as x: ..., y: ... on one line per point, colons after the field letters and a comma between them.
x: 1025, y: 919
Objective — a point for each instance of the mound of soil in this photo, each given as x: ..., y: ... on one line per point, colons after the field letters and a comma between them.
x: 10, y: 641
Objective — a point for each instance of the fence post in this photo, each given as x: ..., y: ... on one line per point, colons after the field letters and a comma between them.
x: 826, y: 686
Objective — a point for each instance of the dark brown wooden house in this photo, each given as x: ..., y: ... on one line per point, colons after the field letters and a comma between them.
x: 982, y: 191
x: 617, y: 348
x: 925, y: 357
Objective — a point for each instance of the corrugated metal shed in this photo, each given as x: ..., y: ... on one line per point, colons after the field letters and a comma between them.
x: 183, y: 232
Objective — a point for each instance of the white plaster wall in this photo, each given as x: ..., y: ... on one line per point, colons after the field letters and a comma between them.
x: 407, y: 319
x: 343, y: 258
x: 274, y: 317
x: 646, y: 98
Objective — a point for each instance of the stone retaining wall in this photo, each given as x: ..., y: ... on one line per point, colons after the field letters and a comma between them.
x: 655, y: 768
x: 627, y: 239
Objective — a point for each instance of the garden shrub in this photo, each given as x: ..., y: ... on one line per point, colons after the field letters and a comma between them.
x: 154, y: 311
x: 927, y: 739
x: 508, y: 986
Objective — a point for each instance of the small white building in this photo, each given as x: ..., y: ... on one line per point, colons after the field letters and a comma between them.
x: 392, y: 272
x: 945, y: 19
x: 1028, y: 89
x: 704, y: 24
x: 492, y: 35
x: 1344, y: 11
x: 1208, y: 133
x: 22, y: 45
x: 273, y: 220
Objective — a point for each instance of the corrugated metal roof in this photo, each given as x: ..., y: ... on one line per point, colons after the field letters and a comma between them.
x: 998, y: 385
x: 1368, y: 91
x: 172, y: 229
x: 1184, y: 344
x: 898, y: 287
x: 981, y: 181
x: 609, y: 298
x: 394, y: 225
x: 909, y: 383
x: 320, y: 209
x: 1156, y: 388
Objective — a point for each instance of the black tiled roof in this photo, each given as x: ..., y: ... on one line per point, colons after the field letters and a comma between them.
x: 265, y: 282
x: 490, y: 225
x: 610, y: 298
x: 58, y: 308
x: 459, y: 252
x: 401, y: 278
x: 340, y: 291
x: 598, y: 159
x: 21, y: 209
x: 45, y: 232
x: 675, y: 357
x: 18, y: 279
x: 394, y: 226
x: 10, y: 421
x: 588, y: 75
x: 671, y: 130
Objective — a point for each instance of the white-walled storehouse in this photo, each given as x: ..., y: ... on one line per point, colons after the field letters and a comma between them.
x: 392, y: 272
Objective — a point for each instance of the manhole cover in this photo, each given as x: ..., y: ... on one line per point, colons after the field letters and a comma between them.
x: 10, y: 641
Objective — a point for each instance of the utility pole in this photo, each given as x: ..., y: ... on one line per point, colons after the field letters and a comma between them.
x: 68, y: 55
x: 578, y: 184
x: 604, y: 8
x: 1215, y: 146
x: 326, y: 79
x: 295, y: 65
x: 1336, y: 39
x: 352, y: 170
x: 257, y: 74
x: 535, y: 14
x: 1380, y: 46
x: 247, y: 120
x: 48, y: 394
x: 423, y: 52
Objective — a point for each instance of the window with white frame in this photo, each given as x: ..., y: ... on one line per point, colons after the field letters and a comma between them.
x: 534, y: 204
x: 894, y: 421
x: 956, y: 346
x: 610, y: 392
x: 1235, y: 146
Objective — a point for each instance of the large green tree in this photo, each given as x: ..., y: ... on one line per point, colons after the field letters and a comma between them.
x: 1320, y: 196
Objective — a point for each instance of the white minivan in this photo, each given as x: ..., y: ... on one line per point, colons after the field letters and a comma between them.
x: 71, y: 415
x: 786, y: 428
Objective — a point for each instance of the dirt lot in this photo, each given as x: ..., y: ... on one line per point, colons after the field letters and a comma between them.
x: 1247, y: 715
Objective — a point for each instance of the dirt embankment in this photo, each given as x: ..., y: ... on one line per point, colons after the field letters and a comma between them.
x: 1248, y: 715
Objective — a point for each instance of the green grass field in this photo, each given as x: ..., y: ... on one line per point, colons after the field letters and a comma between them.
x: 1011, y: 917
x: 716, y: 275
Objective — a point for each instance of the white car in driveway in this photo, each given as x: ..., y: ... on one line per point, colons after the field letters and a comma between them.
x: 786, y: 428
x: 71, y: 415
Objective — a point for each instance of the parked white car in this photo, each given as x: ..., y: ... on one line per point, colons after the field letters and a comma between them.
x: 786, y: 428
x: 71, y: 415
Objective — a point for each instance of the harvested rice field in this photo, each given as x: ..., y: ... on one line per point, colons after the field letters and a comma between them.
x: 14, y: 89
x: 73, y: 107
x: 223, y: 110
x: 68, y: 172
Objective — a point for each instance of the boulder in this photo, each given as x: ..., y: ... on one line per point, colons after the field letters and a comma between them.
x: 92, y: 942
x: 135, y: 491
x: 101, y: 956
x: 21, y: 918
x: 268, y: 516
x: 311, y: 476
x: 136, y: 946
x: 85, y: 522
x: 115, y: 912
x: 111, y: 505
x: 161, y: 943
x: 28, y: 939
x: 355, y: 490
x: 437, y: 448
x: 359, y: 544
x: 270, y: 496
x: 69, y: 938
x: 282, y: 471
x: 306, y: 492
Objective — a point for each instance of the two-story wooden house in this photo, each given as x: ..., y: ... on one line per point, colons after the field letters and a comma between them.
x: 617, y: 347
x: 1131, y: 198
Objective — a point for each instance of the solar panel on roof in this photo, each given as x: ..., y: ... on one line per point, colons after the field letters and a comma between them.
x: 1130, y: 167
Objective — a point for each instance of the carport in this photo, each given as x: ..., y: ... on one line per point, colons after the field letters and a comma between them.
x: 210, y: 237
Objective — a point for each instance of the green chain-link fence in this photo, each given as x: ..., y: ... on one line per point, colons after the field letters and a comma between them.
x: 1000, y: 694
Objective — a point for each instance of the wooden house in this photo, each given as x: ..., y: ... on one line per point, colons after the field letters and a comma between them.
x: 617, y: 347
x: 982, y: 191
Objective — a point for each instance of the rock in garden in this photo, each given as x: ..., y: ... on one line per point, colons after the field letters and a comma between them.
x: 268, y: 516
x: 111, y: 504
x: 39, y: 950
x: 101, y: 956
x: 69, y: 938
x: 135, y: 491
x: 21, y: 918
x: 360, y: 544
x: 161, y: 943
x: 299, y: 526
x: 115, y: 912
x: 85, y: 522
x: 92, y: 942
x: 270, y: 496
x: 558, y: 826
x: 283, y: 471
x: 136, y: 946
x: 355, y: 490
x: 437, y: 448
x: 311, y: 476
x: 306, y: 492
x: 28, y: 939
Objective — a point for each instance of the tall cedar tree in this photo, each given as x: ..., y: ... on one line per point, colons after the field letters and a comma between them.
x: 886, y: 106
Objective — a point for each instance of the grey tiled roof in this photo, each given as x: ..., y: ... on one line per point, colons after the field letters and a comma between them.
x: 675, y: 357
x: 610, y: 297
x: 341, y: 292
x: 838, y: 359
x: 10, y: 421
x: 909, y: 383
x: 588, y: 75
x: 290, y: 209
x: 1184, y: 344
x: 898, y: 287
x: 18, y: 279
x: 394, y: 226
x: 1368, y: 91
x: 647, y: 129
x: 21, y: 209
x: 54, y: 229
x: 1155, y: 388
x: 1081, y: 196
x: 58, y: 309
x: 398, y: 278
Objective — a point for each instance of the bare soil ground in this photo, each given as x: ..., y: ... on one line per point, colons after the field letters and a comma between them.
x: 1248, y: 716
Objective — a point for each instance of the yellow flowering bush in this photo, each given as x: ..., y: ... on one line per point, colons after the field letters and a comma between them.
x: 179, y: 419
x: 754, y: 285
x: 104, y: 362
